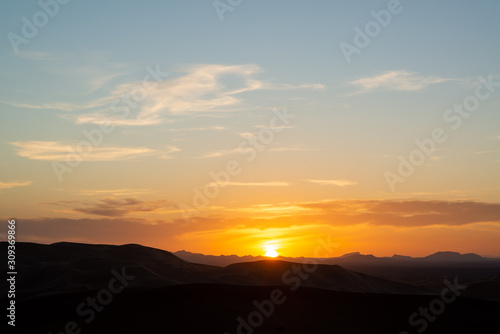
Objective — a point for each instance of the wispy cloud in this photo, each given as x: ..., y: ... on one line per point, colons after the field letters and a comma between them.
x: 263, y: 126
x: 116, y: 192
x: 408, y: 213
x: 338, y: 183
x: 397, y: 81
x: 55, y: 106
x: 396, y: 213
x: 56, y: 151
x: 201, y: 128
x: 292, y: 149
x: 41, y: 56
x: 167, y: 152
x: 8, y: 185
x: 112, y: 207
x: 63, y: 106
x: 89, y: 71
x: 256, y: 184
x: 271, y: 211
x: 223, y: 153
x: 243, y: 150
x: 303, y: 86
x: 98, y: 80
x: 201, y: 89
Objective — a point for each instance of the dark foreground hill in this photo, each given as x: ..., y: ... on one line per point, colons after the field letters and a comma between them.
x: 479, y: 273
x: 219, y: 309
x: 71, y: 267
x: 79, y: 288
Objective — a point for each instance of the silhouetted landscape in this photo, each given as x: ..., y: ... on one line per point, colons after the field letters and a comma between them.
x: 162, y: 292
x: 246, y: 167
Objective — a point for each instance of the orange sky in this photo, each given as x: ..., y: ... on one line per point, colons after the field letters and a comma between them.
x: 382, y: 228
x: 179, y: 130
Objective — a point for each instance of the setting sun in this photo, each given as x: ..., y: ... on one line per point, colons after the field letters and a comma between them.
x: 271, y: 252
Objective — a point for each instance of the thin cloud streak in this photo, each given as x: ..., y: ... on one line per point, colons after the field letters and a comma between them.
x: 117, y: 192
x: 255, y: 184
x: 200, y: 90
x: 112, y: 207
x: 338, y: 183
x: 56, y: 151
x: 396, y: 81
x: 9, y: 185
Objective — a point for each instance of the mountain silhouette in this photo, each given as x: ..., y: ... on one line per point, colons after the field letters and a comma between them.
x: 167, y: 293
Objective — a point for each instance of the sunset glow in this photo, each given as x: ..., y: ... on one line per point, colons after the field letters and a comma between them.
x: 237, y: 166
x: 239, y: 137
x: 271, y: 252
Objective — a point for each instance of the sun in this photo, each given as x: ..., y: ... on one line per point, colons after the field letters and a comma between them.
x: 271, y: 252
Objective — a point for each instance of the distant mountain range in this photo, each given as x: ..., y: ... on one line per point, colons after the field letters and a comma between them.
x: 66, y: 267
x: 350, y: 258
x: 425, y: 272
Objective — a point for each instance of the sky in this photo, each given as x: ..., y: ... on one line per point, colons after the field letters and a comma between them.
x: 235, y: 127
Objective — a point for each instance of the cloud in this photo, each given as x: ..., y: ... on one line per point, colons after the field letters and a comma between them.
x: 56, y: 151
x: 63, y: 106
x: 41, y: 56
x: 55, y: 106
x: 201, y: 89
x: 222, y: 153
x: 256, y: 184
x: 269, y: 211
x: 392, y: 213
x: 202, y: 128
x: 243, y: 150
x: 397, y: 81
x: 108, y: 230
x: 113, y: 207
x: 349, y: 219
x: 291, y: 149
x: 166, y: 154
x: 303, y: 86
x: 263, y: 126
x: 338, y: 183
x: 89, y: 70
x: 8, y: 185
x: 409, y: 213
x: 116, y: 192
x: 334, y: 213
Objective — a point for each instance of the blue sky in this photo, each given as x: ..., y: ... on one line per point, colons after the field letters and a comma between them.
x: 225, y: 77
